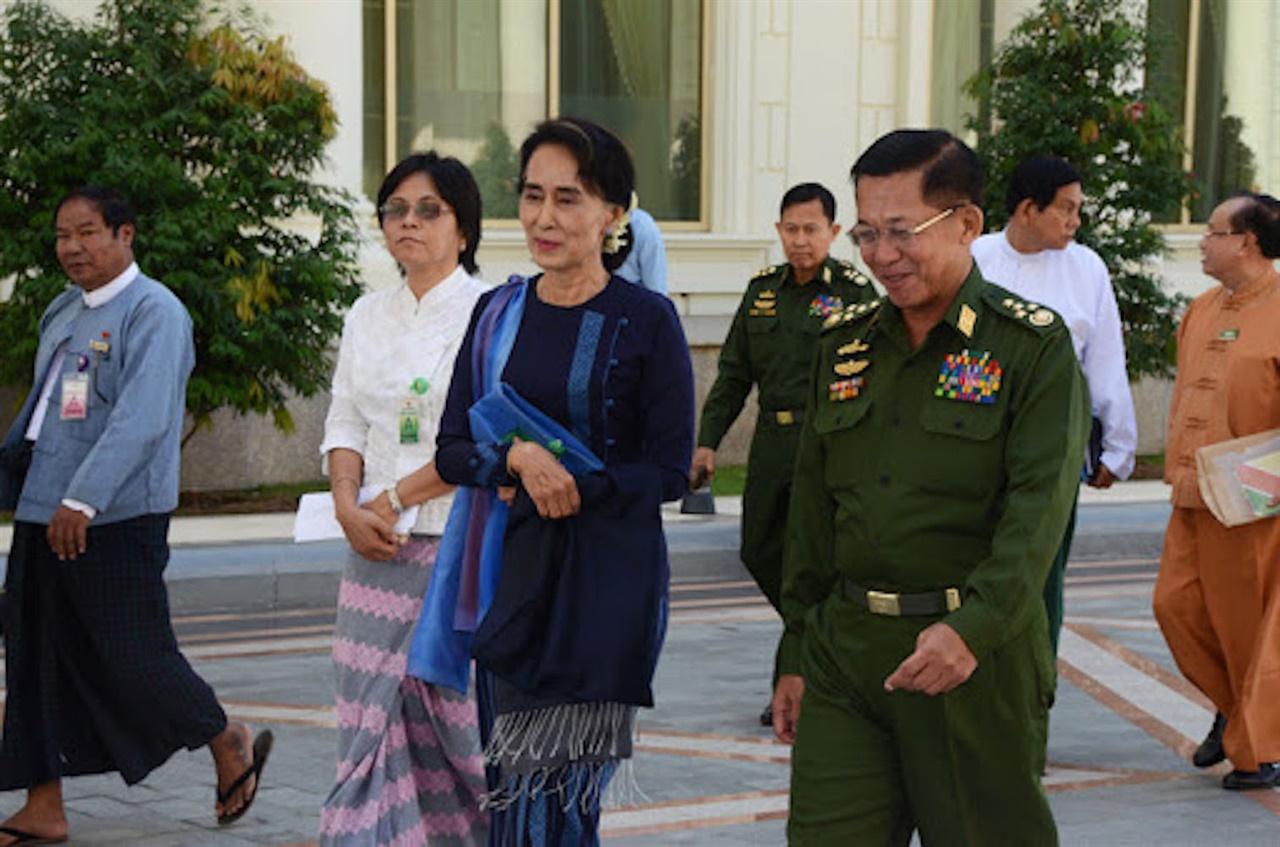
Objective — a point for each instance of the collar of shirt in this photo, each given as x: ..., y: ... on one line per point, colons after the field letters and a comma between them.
x: 104, y: 295
x: 967, y: 306
x: 1252, y: 290
x: 439, y: 296
x: 888, y: 318
x: 1030, y: 258
x: 823, y: 276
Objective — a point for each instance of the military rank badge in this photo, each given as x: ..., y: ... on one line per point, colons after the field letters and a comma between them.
x: 972, y: 378
x: 845, y: 389
x: 765, y: 305
x: 824, y: 305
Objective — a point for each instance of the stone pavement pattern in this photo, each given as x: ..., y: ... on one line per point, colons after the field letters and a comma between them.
x: 705, y: 772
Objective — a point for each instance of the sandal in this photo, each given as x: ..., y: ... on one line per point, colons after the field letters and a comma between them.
x: 261, y: 749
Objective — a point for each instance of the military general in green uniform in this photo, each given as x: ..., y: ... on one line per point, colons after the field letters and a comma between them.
x: 770, y: 345
x: 938, y: 462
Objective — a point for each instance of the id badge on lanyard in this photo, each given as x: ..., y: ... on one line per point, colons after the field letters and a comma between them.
x: 409, y: 411
x: 74, y: 405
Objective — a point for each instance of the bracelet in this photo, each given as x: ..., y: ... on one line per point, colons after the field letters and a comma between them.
x: 394, y: 499
x: 350, y: 479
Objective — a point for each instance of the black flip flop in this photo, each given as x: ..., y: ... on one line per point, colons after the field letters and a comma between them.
x: 30, y: 839
x: 261, y: 749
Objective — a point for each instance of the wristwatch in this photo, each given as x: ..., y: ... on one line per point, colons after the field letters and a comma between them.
x: 394, y: 499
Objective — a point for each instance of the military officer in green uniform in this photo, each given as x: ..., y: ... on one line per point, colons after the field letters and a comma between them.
x: 770, y: 345
x: 937, y: 465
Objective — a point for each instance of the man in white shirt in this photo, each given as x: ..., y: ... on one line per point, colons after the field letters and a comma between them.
x: 1037, y: 258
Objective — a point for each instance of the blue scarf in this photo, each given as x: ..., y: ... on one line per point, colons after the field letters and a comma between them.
x: 469, y: 560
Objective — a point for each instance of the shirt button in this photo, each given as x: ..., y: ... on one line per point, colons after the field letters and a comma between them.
x: 884, y: 479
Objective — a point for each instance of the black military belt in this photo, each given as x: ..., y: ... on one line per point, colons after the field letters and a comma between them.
x: 898, y: 605
x: 785, y: 417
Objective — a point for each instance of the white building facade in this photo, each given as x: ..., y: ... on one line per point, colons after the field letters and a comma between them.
x: 725, y: 103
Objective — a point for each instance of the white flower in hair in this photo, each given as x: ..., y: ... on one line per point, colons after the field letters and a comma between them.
x: 616, y: 237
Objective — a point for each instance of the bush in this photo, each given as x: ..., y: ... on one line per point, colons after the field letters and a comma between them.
x: 214, y: 136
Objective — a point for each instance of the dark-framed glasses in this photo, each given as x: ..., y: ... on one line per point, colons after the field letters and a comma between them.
x: 900, y: 238
x: 398, y: 210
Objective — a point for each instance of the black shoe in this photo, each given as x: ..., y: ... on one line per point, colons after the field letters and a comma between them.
x: 766, y: 717
x: 1210, y: 751
x: 1266, y: 776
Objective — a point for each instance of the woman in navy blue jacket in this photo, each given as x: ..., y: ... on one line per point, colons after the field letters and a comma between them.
x: 571, y: 604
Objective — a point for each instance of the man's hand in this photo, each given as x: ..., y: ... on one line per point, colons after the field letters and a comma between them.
x: 786, y: 706
x: 1103, y: 478
x: 66, y: 533
x: 369, y: 534
x: 941, y: 662
x: 551, y: 488
x: 703, y: 467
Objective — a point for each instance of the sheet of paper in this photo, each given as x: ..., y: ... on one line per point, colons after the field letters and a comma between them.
x: 316, y: 519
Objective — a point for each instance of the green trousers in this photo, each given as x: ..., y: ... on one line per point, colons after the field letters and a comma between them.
x: 870, y: 767
x: 765, y: 499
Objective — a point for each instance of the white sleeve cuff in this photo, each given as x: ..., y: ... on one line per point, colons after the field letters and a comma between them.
x: 83, y: 508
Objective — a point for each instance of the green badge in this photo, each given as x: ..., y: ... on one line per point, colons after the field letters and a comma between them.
x: 420, y: 385
x: 1229, y: 335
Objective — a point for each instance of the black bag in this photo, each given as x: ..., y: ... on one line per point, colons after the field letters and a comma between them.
x: 1093, y: 457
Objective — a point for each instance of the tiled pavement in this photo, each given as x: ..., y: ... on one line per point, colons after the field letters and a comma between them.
x: 705, y: 772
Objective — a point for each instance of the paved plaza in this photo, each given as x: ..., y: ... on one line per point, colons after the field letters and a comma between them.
x: 255, y: 616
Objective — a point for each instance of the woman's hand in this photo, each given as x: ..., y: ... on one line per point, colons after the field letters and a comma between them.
x: 381, y: 506
x: 368, y: 534
x: 551, y: 488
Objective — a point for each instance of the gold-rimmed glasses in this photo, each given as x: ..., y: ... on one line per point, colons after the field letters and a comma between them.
x: 900, y: 238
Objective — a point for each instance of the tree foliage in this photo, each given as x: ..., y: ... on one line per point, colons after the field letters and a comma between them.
x: 1068, y: 82
x: 214, y: 136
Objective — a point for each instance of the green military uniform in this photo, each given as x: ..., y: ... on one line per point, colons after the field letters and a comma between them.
x: 953, y: 466
x: 770, y: 344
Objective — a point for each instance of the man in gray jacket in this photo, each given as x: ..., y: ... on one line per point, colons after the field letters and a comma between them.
x: 95, y: 680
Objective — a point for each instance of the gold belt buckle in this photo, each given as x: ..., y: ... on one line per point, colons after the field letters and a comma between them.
x: 785, y: 417
x: 953, y: 599
x: 883, y: 603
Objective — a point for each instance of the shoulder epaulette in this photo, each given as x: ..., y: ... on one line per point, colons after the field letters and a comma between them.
x: 763, y: 272
x: 1028, y: 313
x: 852, y: 312
x: 850, y: 272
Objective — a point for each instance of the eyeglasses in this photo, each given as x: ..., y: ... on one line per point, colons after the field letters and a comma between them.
x: 866, y: 238
x: 397, y: 210
x: 1221, y: 233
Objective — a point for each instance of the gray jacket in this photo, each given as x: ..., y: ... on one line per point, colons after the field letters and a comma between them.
x: 123, y: 457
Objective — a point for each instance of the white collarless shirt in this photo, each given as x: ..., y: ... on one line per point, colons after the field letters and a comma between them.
x: 1074, y: 283
x: 390, y: 339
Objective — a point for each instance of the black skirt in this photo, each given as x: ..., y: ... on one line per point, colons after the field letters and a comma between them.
x: 95, y: 680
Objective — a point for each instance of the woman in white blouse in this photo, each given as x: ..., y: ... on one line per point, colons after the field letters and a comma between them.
x: 409, y: 767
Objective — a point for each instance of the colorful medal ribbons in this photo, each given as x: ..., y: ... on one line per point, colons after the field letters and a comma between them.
x: 970, y: 377
x: 824, y: 305
x: 845, y: 389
